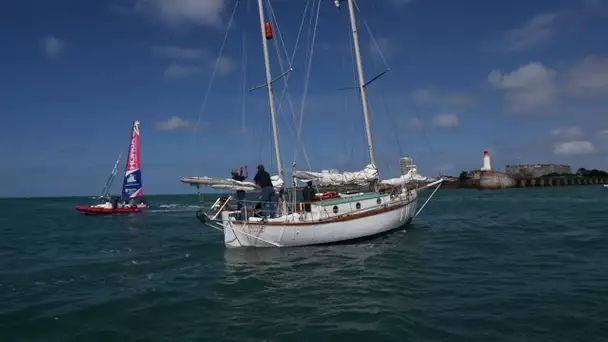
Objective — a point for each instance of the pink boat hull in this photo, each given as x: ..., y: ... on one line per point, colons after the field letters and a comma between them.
x: 104, y: 211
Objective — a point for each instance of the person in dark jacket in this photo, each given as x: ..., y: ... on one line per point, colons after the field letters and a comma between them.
x: 240, y: 194
x: 269, y: 196
x: 307, y: 194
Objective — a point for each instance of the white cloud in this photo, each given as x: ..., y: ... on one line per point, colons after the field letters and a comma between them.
x: 535, y: 32
x: 415, y: 124
x: 596, y: 7
x: 53, y: 46
x: 571, y: 133
x: 383, y: 48
x: 176, y: 123
x: 189, y: 61
x: 446, y: 120
x: 538, y: 31
x: 573, y: 148
x: 178, y: 52
x: 534, y: 87
x: 179, y: 12
x: 589, y: 77
x: 429, y: 96
x: 176, y: 70
x: 529, y: 88
x: 225, y: 65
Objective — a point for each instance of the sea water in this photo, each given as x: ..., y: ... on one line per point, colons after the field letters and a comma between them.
x: 511, y: 265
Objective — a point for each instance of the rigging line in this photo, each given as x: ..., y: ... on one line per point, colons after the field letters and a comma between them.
x: 395, y: 130
x: 286, y: 86
x: 352, y: 57
x: 309, y: 34
x: 297, y: 43
x: 377, y: 46
x: 261, y: 142
x: 290, y: 61
x: 426, y: 139
x: 278, y: 29
x: 308, y: 71
x: 372, y: 36
x: 280, y: 106
x: 215, y: 67
x: 244, y: 81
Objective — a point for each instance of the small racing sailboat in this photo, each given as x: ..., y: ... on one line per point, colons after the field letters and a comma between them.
x: 132, y: 188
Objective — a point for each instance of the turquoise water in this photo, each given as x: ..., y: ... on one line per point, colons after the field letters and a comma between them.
x: 513, y: 265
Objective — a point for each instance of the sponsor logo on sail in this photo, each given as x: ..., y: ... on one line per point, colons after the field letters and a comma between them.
x: 132, y: 154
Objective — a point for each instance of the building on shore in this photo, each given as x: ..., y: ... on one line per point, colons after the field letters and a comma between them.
x: 486, y: 178
x: 405, y: 165
x: 537, y: 170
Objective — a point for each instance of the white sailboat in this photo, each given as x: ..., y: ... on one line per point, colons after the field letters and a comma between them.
x: 333, y: 220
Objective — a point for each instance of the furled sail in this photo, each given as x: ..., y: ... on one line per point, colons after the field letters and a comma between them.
x: 229, y: 184
x: 362, y: 177
x: 411, y: 176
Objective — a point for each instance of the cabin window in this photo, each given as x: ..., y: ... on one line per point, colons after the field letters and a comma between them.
x: 378, y: 201
x: 335, y: 209
x: 358, y: 205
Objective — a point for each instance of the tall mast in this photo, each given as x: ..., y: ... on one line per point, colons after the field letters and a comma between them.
x: 273, y: 115
x: 362, y: 90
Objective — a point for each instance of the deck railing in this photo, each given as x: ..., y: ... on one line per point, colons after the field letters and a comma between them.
x: 250, y: 208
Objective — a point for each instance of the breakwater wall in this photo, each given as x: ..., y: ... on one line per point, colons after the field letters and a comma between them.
x: 495, y: 181
x: 527, y: 183
x: 558, y: 181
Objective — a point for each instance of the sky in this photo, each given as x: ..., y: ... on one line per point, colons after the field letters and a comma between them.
x: 527, y: 80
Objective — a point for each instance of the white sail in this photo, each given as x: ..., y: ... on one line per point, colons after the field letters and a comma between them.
x: 229, y: 184
x: 411, y: 176
x: 362, y: 177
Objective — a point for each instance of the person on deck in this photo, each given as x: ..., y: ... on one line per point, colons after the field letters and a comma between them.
x: 115, y: 203
x: 263, y: 180
x: 240, y: 194
x: 307, y: 194
x: 108, y: 204
x: 257, y: 210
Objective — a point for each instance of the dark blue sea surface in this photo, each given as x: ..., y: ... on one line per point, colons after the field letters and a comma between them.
x: 512, y: 265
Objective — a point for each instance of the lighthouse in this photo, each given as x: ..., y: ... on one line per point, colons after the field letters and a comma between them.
x: 486, y: 161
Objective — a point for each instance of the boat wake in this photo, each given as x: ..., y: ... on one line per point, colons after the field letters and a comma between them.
x: 173, y: 208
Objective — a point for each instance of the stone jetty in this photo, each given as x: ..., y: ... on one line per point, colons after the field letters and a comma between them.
x: 558, y: 181
x: 525, y: 182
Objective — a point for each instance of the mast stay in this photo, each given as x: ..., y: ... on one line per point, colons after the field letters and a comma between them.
x: 106, y: 188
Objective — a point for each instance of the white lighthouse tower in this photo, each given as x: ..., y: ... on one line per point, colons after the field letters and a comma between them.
x: 486, y: 166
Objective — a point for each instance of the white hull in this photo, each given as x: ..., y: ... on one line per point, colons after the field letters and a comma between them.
x: 322, y: 226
